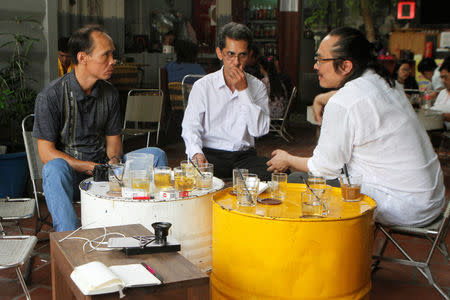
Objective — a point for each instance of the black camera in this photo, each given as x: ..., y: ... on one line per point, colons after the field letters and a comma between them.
x: 100, y: 172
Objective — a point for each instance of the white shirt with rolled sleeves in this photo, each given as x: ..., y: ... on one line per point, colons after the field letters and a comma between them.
x: 374, y: 129
x: 220, y: 119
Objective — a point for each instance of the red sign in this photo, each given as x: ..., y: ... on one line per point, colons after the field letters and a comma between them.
x: 406, y: 10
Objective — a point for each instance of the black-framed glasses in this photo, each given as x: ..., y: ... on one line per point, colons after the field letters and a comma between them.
x: 318, y: 60
x: 231, y: 55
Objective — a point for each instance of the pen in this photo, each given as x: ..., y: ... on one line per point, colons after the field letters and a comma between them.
x: 152, y: 271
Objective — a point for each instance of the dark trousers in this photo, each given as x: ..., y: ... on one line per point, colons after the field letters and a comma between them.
x: 225, y: 161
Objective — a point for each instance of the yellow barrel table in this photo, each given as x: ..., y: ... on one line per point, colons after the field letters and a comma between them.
x: 271, y: 252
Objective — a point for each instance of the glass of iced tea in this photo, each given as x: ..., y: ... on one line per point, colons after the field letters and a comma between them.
x: 162, y: 178
x: 184, y: 180
x: 204, y: 176
x: 351, y: 187
x: 187, y: 167
x: 115, y: 176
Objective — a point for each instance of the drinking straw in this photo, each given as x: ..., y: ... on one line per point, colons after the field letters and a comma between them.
x: 198, y: 170
x: 310, y: 189
x: 245, y: 185
x: 346, y: 174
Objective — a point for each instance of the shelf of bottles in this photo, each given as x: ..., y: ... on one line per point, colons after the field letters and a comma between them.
x: 261, y: 17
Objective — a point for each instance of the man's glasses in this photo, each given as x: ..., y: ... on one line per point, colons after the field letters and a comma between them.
x: 231, y: 55
x: 318, y: 60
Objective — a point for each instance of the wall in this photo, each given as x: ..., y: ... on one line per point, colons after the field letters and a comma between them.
x: 43, y: 67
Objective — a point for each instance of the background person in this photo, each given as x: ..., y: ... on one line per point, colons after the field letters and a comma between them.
x: 402, y: 77
x: 428, y: 67
x: 371, y: 127
x: 442, y: 103
x: 77, y: 124
x: 227, y: 109
x: 186, y: 62
x: 65, y: 64
x: 276, y: 90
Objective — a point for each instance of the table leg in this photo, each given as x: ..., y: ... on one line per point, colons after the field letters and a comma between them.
x: 60, y: 289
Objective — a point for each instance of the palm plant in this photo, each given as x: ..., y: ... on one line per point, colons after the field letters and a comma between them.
x: 16, y: 96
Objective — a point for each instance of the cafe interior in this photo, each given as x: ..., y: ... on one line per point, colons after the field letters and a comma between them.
x: 207, y: 237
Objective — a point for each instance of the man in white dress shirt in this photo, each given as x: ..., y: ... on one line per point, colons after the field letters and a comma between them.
x: 227, y: 109
x: 370, y: 126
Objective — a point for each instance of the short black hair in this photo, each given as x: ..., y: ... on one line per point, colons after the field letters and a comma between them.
x: 235, y: 31
x: 81, y: 40
x: 186, y: 51
x: 63, y: 44
x: 445, y: 65
x: 426, y: 64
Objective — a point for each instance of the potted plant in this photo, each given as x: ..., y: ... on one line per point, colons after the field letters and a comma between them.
x: 16, y: 101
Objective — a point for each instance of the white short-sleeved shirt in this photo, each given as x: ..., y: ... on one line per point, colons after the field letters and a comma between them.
x: 373, y: 128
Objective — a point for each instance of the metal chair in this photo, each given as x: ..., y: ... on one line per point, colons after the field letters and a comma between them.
x: 186, y: 87
x: 14, y: 252
x: 278, y: 125
x: 14, y: 210
x: 143, y: 106
x: 35, y: 167
x: 435, y: 232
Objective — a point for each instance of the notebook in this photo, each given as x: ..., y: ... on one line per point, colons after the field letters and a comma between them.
x: 95, y: 278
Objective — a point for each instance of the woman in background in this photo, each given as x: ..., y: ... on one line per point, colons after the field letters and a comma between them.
x: 403, y: 79
x: 276, y: 90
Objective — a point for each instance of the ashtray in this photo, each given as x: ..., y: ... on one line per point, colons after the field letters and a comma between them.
x: 269, y: 201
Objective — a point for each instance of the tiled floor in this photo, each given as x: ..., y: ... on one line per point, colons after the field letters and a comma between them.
x: 390, y: 282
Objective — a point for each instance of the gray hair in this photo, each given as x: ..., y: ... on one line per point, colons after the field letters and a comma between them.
x: 234, y: 31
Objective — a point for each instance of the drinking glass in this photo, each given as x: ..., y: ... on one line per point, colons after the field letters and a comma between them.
x: 278, y: 186
x: 351, y: 187
x: 184, y: 180
x: 312, y: 203
x: 115, y: 176
x: 162, y: 178
x: 314, y: 180
x: 187, y: 167
x: 236, y: 176
x: 204, y: 178
x: 247, y: 190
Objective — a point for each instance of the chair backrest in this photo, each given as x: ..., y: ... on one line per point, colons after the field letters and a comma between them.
x: 288, y: 107
x: 143, y: 105
x: 186, y: 86
x: 34, y: 161
x: 176, y: 96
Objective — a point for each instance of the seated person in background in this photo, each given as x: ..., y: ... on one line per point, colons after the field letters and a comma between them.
x: 403, y: 79
x: 367, y: 126
x: 251, y: 66
x: 428, y: 67
x: 276, y: 90
x: 442, y: 103
x: 77, y: 124
x: 284, y: 77
x: 65, y: 64
x: 185, y: 64
x: 227, y: 109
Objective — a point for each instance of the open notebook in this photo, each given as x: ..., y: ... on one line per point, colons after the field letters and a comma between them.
x: 95, y: 278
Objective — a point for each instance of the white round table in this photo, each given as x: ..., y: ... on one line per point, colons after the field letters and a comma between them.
x: 190, y: 216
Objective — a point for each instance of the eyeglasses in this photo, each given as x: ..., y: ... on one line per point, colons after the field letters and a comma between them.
x: 318, y: 60
x: 231, y: 55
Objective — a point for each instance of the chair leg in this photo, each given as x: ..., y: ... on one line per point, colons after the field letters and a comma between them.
x: 22, y: 283
x: 148, y: 139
